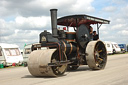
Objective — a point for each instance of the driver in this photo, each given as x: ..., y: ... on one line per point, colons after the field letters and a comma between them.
x: 95, y: 36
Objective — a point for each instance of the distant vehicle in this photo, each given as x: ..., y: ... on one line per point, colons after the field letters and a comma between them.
x: 127, y: 47
x: 26, y: 51
x: 10, y: 54
x: 123, y: 47
x: 116, y: 48
x: 108, y: 46
x: 21, y: 51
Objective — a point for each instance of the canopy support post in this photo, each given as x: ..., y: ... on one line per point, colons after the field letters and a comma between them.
x: 98, y: 26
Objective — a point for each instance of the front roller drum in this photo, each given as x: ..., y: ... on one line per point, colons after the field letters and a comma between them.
x: 96, y: 55
x: 39, y: 60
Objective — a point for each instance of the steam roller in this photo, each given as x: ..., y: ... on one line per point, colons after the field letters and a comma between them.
x: 66, y: 50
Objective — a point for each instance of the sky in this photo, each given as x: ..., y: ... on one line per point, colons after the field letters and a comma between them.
x: 21, y: 21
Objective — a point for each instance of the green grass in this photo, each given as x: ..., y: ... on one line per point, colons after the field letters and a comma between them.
x: 126, y: 53
x: 11, y: 67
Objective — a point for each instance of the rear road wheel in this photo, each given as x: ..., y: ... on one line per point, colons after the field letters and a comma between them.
x: 96, y: 55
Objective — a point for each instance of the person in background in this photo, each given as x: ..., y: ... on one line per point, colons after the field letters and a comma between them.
x: 95, y: 36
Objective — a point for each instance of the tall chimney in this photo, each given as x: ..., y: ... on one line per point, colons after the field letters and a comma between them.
x: 54, y: 22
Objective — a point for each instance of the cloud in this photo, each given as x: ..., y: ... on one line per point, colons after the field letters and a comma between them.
x: 123, y: 32
x: 82, y: 6
x: 109, y: 9
x: 118, y: 26
x: 5, y: 28
x: 21, y: 37
x: 32, y: 23
x: 27, y: 8
x: 23, y: 23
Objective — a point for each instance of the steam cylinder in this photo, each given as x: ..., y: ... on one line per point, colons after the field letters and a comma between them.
x: 69, y: 48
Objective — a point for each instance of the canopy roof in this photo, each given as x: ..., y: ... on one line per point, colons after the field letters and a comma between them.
x: 77, y: 20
